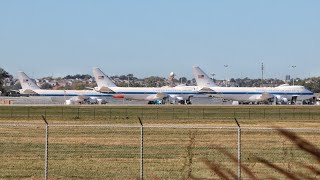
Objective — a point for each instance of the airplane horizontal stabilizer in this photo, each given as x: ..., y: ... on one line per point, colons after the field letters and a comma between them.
x: 205, y: 89
x: 104, y: 89
x: 29, y: 91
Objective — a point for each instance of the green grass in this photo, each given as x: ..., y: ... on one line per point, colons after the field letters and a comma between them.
x: 282, y: 116
x: 113, y: 153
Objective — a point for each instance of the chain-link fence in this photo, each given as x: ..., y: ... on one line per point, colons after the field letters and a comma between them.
x: 159, y: 112
x: 62, y: 151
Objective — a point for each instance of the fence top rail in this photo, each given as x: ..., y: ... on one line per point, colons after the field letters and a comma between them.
x: 26, y: 125
x: 160, y: 127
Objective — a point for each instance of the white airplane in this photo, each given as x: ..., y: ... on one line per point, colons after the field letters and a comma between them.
x: 281, y: 94
x: 71, y: 96
x: 180, y: 94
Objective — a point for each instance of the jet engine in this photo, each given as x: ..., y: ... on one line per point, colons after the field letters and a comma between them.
x: 281, y: 100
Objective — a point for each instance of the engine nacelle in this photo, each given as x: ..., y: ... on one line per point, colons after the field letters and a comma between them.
x: 260, y: 97
x: 75, y: 100
x: 173, y: 99
x: 153, y: 97
x: 97, y: 89
x: 102, y: 101
x: 176, y: 97
x: 92, y: 100
x: 281, y: 100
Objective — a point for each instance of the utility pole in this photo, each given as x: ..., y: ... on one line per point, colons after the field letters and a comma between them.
x: 262, y: 71
x: 226, y: 66
x: 129, y: 75
x: 294, y: 66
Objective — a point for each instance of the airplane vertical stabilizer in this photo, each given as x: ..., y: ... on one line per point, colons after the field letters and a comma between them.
x: 26, y: 82
x: 202, y: 79
x: 102, y: 79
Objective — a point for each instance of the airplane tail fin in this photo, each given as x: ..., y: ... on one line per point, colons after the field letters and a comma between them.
x: 26, y: 82
x: 203, y: 80
x: 102, y: 79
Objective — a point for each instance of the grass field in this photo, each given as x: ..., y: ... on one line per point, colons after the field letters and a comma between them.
x: 114, y: 153
x: 286, y: 116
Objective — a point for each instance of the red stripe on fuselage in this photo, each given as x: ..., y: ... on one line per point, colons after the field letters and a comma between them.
x: 118, y: 96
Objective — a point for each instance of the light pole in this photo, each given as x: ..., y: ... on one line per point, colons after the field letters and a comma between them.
x: 128, y: 80
x: 293, y: 66
x: 129, y: 75
x: 226, y: 66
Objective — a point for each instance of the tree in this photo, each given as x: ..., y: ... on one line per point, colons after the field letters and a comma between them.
x: 123, y: 77
x: 78, y: 76
x: 46, y: 86
x: 183, y: 80
x: 3, y: 75
x: 154, y: 81
x: 313, y: 84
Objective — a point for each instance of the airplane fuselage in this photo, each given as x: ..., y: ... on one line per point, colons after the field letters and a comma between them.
x: 153, y: 93
x: 62, y: 93
x: 260, y: 93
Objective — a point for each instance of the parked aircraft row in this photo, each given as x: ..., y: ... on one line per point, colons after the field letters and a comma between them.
x: 179, y: 94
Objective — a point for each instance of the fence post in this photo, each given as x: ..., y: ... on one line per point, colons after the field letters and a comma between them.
x: 158, y: 113
x: 28, y: 112
x: 309, y: 113
x: 46, y: 149
x: 94, y: 113
x: 127, y: 112
x: 172, y: 113
x: 62, y: 113
x: 202, y: 113
x: 239, y: 149
x: 141, y: 150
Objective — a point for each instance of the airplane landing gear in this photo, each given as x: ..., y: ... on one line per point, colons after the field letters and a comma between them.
x: 185, y: 101
x: 188, y: 101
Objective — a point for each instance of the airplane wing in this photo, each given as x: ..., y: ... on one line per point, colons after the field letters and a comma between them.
x: 261, y: 97
x: 157, y: 96
x: 161, y: 95
x: 266, y: 96
x: 152, y: 97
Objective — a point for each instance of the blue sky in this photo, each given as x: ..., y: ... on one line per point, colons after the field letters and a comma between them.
x: 147, y: 38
